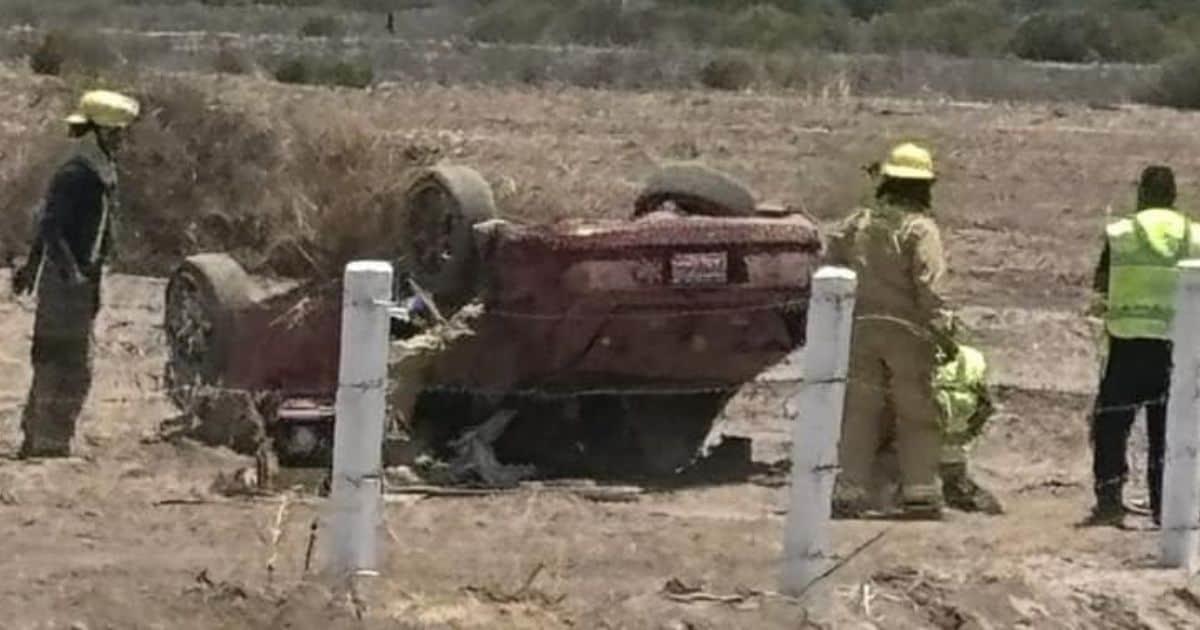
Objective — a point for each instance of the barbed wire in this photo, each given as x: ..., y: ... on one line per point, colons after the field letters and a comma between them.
x: 674, y: 313
x: 752, y: 390
x: 561, y: 392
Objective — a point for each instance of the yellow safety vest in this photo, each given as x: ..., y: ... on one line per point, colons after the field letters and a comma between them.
x: 957, y: 386
x: 1143, y: 252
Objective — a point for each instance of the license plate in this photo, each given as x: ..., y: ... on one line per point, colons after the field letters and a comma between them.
x: 696, y: 269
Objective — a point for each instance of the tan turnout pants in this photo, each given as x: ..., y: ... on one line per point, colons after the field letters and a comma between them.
x: 891, y: 372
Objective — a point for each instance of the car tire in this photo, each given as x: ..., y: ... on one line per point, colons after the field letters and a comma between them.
x: 695, y: 189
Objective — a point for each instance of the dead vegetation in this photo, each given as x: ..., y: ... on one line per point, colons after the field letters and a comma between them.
x: 288, y: 190
x: 374, y: 59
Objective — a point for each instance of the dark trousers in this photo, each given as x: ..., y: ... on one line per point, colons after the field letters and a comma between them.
x: 62, y: 360
x: 1137, y: 374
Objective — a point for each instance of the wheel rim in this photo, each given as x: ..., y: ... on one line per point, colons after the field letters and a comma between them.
x: 188, y: 329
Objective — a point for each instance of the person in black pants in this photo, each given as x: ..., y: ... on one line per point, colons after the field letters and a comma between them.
x: 1138, y: 374
x: 65, y: 270
x: 1136, y: 279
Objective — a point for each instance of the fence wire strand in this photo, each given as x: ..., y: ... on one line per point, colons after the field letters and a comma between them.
x: 772, y: 387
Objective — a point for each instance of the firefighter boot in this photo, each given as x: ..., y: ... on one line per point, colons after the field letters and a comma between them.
x: 962, y: 493
x: 922, y: 503
x: 849, y: 501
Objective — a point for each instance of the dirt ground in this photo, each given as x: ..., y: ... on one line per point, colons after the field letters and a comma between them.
x: 129, y: 535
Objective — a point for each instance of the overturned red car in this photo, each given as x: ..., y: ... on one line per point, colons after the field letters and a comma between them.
x: 615, y: 341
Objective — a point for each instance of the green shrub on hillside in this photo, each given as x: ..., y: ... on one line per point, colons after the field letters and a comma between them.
x: 355, y: 74
x: 729, y: 72
x: 322, y: 26
x: 688, y: 26
x: 1177, y: 85
x: 231, y: 61
x: 960, y: 28
x: 314, y: 71
x: 1088, y: 35
x: 1137, y: 36
x: 1069, y: 36
x: 593, y: 22
x: 48, y: 57
x: 62, y: 52
x: 513, y: 21
x: 764, y: 27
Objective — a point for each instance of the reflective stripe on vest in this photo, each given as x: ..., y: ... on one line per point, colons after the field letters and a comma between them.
x: 956, y: 384
x: 1143, y: 252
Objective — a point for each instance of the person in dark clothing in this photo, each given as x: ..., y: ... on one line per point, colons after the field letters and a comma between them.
x: 1136, y: 279
x: 65, y: 269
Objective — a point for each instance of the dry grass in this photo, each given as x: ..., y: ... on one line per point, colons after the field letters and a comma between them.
x: 287, y: 189
x: 297, y: 180
x: 805, y: 72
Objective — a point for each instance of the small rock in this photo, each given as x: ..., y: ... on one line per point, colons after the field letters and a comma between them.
x: 79, y: 625
x: 134, y: 471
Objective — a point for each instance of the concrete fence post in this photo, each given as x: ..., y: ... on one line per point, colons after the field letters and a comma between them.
x: 357, y: 492
x: 815, y: 413
x: 1181, y: 472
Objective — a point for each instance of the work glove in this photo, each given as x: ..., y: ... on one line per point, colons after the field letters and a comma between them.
x: 23, y: 280
x: 946, y: 328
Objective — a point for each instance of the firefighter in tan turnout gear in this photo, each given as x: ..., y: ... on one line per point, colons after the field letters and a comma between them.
x: 65, y: 266
x: 895, y: 248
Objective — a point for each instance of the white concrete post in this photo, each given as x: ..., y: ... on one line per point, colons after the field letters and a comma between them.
x: 357, y: 492
x: 1181, y: 472
x: 815, y: 412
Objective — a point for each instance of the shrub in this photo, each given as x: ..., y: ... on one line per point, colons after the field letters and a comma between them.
x: 765, y: 27
x: 230, y: 61
x: 603, y: 22
x: 1070, y: 36
x: 48, y: 57
x: 1137, y: 36
x: 321, y: 26
x: 332, y: 72
x: 600, y: 71
x: 62, y: 51
x: 690, y: 25
x: 967, y: 28
x: 518, y: 21
x: 729, y: 72
x: 296, y: 70
x: 1077, y: 36
x: 355, y: 74
x: 961, y: 28
x: 867, y: 9
x: 1177, y: 85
